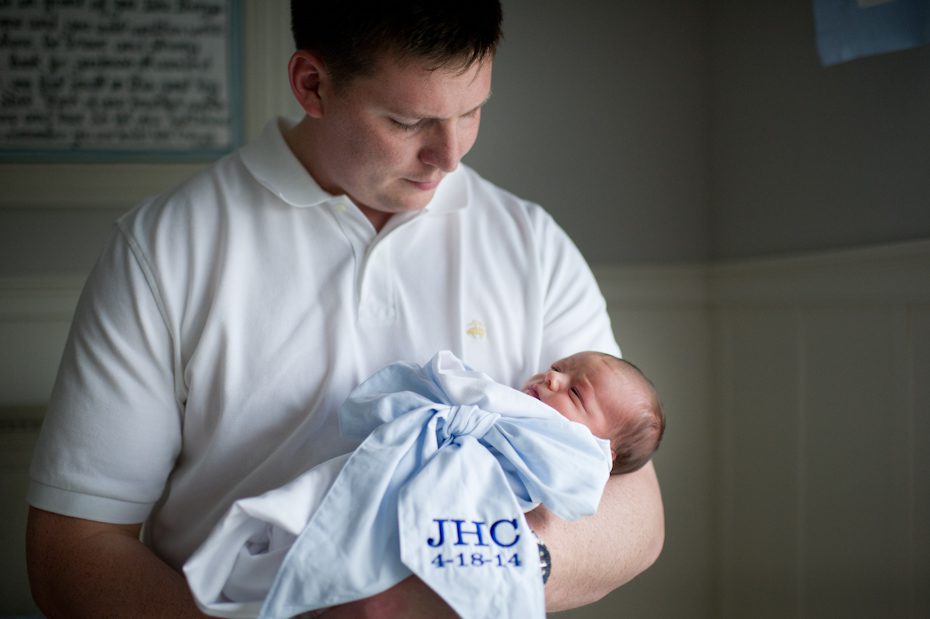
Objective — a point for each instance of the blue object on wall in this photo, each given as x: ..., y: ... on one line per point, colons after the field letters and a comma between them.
x: 848, y: 29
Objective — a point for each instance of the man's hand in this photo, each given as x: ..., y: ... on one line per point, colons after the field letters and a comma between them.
x: 410, y: 599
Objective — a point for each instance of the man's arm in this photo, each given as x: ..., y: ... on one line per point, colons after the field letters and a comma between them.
x: 593, y: 556
x: 82, y: 568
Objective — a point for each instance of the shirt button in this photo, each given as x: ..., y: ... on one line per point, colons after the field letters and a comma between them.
x: 341, y: 207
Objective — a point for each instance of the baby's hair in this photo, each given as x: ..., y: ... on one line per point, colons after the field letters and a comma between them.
x: 640, y: 437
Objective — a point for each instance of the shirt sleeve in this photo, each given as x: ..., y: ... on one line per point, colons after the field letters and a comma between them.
x: 113, y: 427
x: 576, y: 317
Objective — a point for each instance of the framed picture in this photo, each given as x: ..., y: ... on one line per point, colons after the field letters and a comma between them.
x: 120, y: 80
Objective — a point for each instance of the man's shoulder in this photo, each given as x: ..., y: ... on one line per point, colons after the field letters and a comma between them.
x: 216, y: 188
x: 488, y: 199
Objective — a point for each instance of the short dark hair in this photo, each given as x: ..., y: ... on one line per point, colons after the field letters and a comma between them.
x: 641, y: 433
x: 351, y: 36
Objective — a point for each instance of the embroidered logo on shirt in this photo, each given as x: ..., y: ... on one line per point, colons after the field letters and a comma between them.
x: 476, y: 329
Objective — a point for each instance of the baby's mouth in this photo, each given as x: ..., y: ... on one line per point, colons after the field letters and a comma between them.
x: 531, y: 391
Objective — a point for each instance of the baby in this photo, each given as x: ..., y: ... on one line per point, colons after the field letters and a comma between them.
x: 611, y: 397
x: 473, y: 448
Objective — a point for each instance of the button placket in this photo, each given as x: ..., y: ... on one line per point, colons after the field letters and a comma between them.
x: 376, y: 289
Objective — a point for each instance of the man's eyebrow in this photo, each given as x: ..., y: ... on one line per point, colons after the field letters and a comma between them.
x: 482, y: 104
x: 479, y: 106
x: 418, y: 117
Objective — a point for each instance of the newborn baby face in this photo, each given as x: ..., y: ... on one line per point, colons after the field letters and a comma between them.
x: 582, y: 388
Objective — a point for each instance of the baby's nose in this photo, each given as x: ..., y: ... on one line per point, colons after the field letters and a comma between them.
x: 553, y: 380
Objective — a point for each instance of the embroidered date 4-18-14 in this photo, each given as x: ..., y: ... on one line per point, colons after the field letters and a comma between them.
x: 477, y: 559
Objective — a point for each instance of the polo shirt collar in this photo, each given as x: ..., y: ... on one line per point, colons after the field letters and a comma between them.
x: 270, y: 160
x: 452, y: 193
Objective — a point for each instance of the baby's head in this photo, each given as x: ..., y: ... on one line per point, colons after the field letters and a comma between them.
x: 610, y: 396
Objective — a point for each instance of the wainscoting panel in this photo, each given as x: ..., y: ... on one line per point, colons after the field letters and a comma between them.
x: 759, y: 461
x: 919, y: 387
x: 822, y: 372
x: 18, y: 430
x: 857, y: 496
x: 35, y: 314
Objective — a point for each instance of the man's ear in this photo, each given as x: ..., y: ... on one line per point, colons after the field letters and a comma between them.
x: 306, y: 72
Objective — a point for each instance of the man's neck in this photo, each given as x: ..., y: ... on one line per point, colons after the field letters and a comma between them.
x: 299, y: 139
x: 378, y: 219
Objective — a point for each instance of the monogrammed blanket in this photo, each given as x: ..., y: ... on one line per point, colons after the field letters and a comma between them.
x: 448, y: 463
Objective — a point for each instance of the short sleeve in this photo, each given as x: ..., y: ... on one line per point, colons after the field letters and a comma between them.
x: 575, y: 316
x: 113, y: 428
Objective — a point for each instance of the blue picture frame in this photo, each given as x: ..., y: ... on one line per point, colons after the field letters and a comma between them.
x: 155, y: 153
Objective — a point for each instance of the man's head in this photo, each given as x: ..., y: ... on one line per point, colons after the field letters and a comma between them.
x: 351, y: 37
x: 610, y: 396
x: 392, y: 92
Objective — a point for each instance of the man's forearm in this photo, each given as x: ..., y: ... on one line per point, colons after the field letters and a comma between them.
x: 593, y: 556
x: 80, y: 568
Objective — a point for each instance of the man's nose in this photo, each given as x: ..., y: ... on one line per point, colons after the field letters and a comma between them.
x: 442, y: 149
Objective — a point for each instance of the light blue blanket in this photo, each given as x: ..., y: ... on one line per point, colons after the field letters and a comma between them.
x: 448, y: 463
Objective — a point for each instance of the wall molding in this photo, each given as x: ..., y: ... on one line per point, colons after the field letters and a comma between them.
x: 648, y: 286
x: 35, y: 311
x: 889, y: 274
x: 885, y: 274
x: 39, y: 299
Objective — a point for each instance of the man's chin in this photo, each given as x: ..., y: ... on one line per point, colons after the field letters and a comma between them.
x: 412, y: 203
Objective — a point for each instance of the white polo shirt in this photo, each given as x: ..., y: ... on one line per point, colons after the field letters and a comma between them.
x: 226, y: 321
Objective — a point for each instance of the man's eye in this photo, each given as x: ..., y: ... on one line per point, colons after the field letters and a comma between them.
x: 406, y: 126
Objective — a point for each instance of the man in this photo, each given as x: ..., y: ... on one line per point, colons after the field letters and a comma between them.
x: 226, y: 321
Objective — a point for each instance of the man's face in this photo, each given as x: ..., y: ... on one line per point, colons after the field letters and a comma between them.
x: 391, y: 137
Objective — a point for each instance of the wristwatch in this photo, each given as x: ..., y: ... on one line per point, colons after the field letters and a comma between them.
x: 545, y: 559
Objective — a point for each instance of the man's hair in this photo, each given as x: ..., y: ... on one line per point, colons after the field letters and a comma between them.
x: 641, y: 433
x: 351, y: 36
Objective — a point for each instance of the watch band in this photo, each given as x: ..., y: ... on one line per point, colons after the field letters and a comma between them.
x: 545, y: 559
